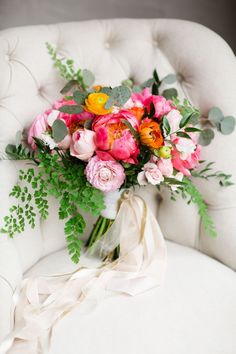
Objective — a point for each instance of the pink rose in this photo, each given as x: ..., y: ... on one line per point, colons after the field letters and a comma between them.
x: 105, y: 175
x: 174, y: 117
x: 65, y: 143
x: 162, y: 106
x: 71, y: 118
x: 82, y: 144
x: 113, y: 136
x: 165, y: 166
x: 38, y: 127
x: 150, y: 174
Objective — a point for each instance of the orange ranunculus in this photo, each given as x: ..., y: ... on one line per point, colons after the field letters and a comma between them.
x: 95, y: 103
x: 150, y: 134
x: 138, y: 112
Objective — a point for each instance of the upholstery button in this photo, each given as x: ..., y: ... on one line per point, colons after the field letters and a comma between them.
x: 107, y: 45
x: 180, y: 77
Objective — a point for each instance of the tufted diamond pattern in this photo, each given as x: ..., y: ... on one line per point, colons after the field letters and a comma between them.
x: 116, y: 50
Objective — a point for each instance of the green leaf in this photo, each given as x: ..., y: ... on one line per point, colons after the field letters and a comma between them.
x: 184, y: 121
x: 59, y: 130
x: 206, y: 137
x: 11, y: 150
x: 155, y: 89
x: 109, y: 102
x: 71, y: 109
x: 170, y: 93
x: 215, y: 116
x: 227, y: 125
x: 128, y: 82
x: 79, y: 97
x: 183, y: 135
x: 106, y: 90
x: 152, y: 110
x: 166, y: 125
x: 169, y: 79
x: 88, y: 77
x: 192, y: 129
x: 156, y: 77
x: 137, y: 88
x: 68, y: 86
x: 18, y: 138
x: 194, y: 118
x: 131, y: 128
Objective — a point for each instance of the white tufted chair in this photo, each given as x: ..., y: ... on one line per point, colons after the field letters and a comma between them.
x: 195, y: 311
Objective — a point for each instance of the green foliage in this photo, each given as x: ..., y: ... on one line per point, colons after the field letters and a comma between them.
x: 206, y: 136
x: 207, y: 173
x: 225, y: 125
x: 169, y: 94
x: 118, y: 95
x: 59, y: 130
x: 63, y: 177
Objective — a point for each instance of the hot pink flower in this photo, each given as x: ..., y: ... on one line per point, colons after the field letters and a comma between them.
x: 38, y: 127
x: 105, y: 175
x: 162, y: 106
x: 138, y: 99
x: 82, y: 144
x: 113, y: 136
x: 71, y: 118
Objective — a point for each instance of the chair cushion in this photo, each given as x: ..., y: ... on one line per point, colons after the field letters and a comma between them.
x: 195, y: 308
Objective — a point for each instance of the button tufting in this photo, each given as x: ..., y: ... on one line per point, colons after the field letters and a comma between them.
x: 107, y: 45
x: 180, y: 77
x: 155, y: 43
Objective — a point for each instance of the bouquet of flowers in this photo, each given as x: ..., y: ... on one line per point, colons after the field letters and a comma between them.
x: 98, y: 140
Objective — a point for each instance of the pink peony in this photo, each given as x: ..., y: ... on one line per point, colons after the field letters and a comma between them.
x: 165, y: 166
x: 150, y: 174
x: 162, y: 106
x: 113, y: 136
x: 105, y: 175
x: 82, y: 144
x: 38, y: 127
x: 71, y: 118
x: 184, y: 165
x: 138, y: 99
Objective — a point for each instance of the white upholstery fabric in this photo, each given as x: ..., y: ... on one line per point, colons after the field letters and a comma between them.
x: 115, y: 50
x: 194, y: 312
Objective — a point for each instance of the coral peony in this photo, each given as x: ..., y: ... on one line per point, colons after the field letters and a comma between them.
x: 113, y: 136
x: 105, y: 175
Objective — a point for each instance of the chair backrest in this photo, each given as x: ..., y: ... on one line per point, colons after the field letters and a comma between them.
x: 116, y: 50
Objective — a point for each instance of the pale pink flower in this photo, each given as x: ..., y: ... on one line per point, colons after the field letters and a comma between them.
x: 165, y: 166
x: 82, y: 144
x: 105, y: 175
x: 184, y: 165
x: 138, y: 99
x: 150, y: 174
x: 174, y: 117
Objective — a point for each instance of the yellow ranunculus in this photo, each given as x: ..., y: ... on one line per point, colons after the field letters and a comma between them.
x: 95, y: 103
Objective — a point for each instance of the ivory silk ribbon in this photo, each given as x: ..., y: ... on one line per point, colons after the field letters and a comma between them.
x: 43, y: 301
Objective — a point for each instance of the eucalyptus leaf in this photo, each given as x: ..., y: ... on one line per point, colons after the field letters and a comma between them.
x: 128, y: 82
x: 11, y: 150
x: 137, y: 88
x: 109, y: 102
x: 170, y: 93
x: 215, y: 116
x: 206, y: 137
x: 227, y: 125
x: 68, y: 86
x: 169, y: 79
x: 79, y: 97
x: 194, y: 118
x: 106, y: 90
x: 88, y: 77
x: 121, y: 94
x: 59, y: 130
x: 148, y: 83
x: 71, y: 109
